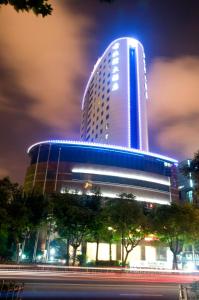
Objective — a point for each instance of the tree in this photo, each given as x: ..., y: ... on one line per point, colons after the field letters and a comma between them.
x: 73, y: 219
x: 39, y: 7
x: 175, y: 225
x: 13, y: 218
x: 128, y: 220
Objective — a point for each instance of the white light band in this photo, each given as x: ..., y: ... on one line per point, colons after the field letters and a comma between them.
x: 132, y: 175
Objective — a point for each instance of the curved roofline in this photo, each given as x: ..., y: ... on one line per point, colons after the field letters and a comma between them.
x: 99, y: 60
x: 104, y: 146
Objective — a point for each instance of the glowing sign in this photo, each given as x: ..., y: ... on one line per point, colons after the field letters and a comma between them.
x: 115, y: 86
x: 115, y: 61
x: 115, y: 53
x: 116, y: 46
x: 115, y: 77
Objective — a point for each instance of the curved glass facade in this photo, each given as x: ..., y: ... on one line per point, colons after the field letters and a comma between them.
x: 77, y: 167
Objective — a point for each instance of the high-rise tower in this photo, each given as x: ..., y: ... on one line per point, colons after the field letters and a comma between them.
x: 114, y: 101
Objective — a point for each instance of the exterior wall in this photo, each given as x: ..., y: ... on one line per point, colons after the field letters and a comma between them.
x: 136, y: 259
x: 107, y: 114
x: 77, y: 168
x: 186, y: 183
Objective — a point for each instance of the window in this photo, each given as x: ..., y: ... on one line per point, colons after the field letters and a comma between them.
x: 161, y: 253
x: 96, y: 126
x: 107, y: 117
x: 106, y: 136
x: 107, y: 107
x: 108, y: 98
x: 101, y: 122
x: 101, y: 131
x: 96, y: 136
x: 102, y: 113
x: 108, y: 91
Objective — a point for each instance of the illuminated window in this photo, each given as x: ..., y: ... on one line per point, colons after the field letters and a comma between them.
x: 106, y: 136
x: 115, y: 86
x: 107, y: 126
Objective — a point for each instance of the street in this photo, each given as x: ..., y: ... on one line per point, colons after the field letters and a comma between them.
x: 81, y: 285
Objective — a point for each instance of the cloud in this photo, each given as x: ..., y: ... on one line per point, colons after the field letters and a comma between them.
x: 47, y: 60
x: 174, y: 105
x: 4, y: 172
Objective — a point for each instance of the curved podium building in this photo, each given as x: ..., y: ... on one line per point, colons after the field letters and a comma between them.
x: 68, y: 166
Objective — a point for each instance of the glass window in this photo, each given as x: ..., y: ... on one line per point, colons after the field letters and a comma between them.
x: 161, y: 253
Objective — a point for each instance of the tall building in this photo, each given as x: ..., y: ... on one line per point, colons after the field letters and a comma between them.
x: 114, y: 101
x: 186, y: 183
x: 113, y: 154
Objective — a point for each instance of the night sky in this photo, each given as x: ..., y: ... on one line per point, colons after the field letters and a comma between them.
x: 46, y: 62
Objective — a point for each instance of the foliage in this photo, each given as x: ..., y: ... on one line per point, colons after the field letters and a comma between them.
x: 175, y: 225
x: 127, y: 218
x: 39, y: 7
x: 73, y: 218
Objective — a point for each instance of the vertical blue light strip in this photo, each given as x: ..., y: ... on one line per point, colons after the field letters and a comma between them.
x: 133, y: 100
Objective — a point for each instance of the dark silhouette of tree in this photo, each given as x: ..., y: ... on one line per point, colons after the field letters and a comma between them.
x: 39, y: 7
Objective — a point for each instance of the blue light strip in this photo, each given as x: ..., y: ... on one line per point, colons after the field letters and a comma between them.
x: 103, y: 146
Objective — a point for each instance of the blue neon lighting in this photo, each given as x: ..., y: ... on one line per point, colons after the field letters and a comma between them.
x: 104, y: 146
x: 133, y: 101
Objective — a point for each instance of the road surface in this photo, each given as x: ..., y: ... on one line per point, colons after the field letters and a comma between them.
x: 81, y: 285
